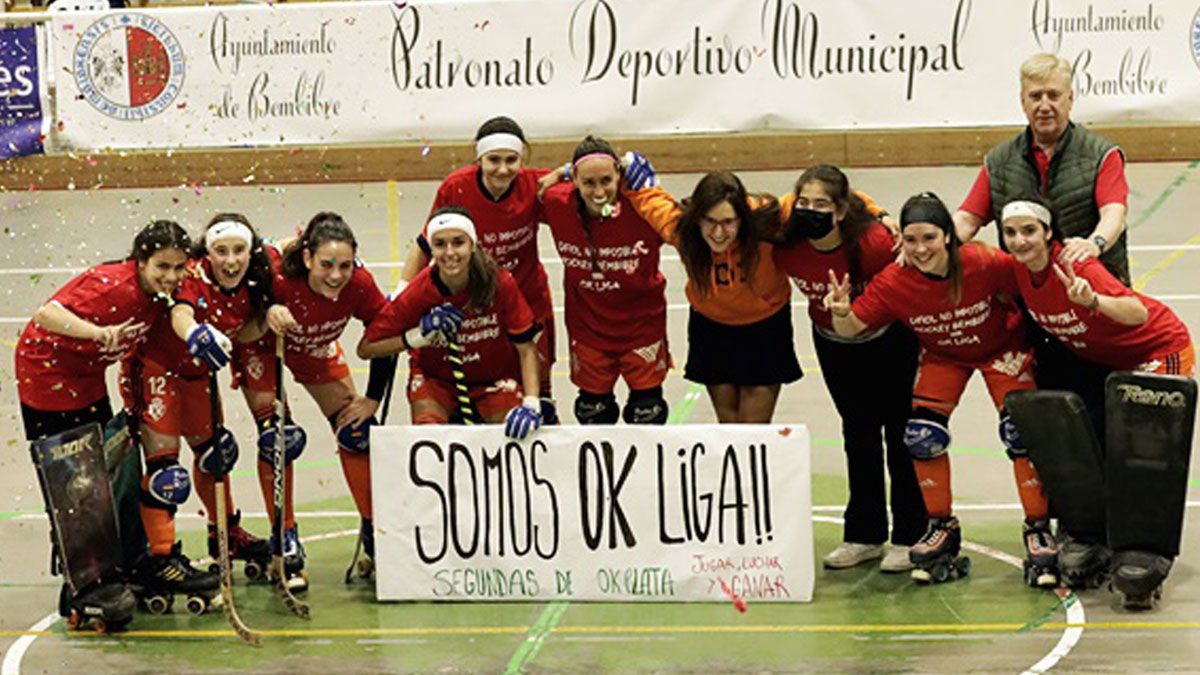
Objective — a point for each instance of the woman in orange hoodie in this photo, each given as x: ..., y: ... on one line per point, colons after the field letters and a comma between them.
x: 737, y: 294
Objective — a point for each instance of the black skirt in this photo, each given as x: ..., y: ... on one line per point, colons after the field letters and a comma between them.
x: 760, y: 353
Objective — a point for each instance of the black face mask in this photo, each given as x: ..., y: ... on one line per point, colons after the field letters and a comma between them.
x: 810, y: 224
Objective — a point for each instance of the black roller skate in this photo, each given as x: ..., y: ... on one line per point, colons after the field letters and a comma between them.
x: 102, y: 607
x: 1041, y: 555
x: 935, y: 556
x: 1083, y: 564
x: 159, y: 578
x: 255, y: 551
x: 1138, y: 576
x: 293, y: 560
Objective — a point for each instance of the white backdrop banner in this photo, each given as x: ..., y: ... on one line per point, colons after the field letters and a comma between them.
x: 674, y: 513
x: 369, y: 72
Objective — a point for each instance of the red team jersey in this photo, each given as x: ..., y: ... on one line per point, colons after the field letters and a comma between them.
x: 56, y: 372
x: 982, y: 324
x: 1091, y: 335
x: 507, y: 227
x: 613, y: 291
x: 486, y: 337
x: 226, y: 311
x: 322, y: 320
x: 809, y: 268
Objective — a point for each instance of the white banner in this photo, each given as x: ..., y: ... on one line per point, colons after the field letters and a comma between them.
x: 369, y: 72
x: 674, y: 513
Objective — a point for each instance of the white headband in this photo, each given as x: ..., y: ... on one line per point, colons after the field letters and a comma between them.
x: 228, y: 228
x: 1023, y: 208
x: 498, y: 141
x: 450, y: 221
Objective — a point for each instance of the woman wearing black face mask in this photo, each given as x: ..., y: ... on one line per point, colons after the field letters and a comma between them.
x: 869, y: 377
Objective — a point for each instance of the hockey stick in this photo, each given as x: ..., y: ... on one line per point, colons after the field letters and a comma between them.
x: 386, y: 405
x: 294, y: 604
x: 460, y: 381
x: 251, y: 637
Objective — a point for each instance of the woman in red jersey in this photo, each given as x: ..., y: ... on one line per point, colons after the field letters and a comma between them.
x: 501, y: 194
x: 89, y: 324
x: 1085, y: 306
x: 737, y: 293
x: 229, y: 286
x: 319, y: 287
x: 952, y: 299
x: 615, y: 301
x: 466, y: 299
x: 832, y: 229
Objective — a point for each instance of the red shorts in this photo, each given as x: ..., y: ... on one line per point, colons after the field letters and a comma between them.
x: 596, y: 371
x: 1182, y: 362
x: 940, y: 381
x: 254, y: 365
x: 169, y: 404
x: 490, y: 400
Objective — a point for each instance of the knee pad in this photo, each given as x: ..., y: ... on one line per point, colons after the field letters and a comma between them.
x: 167, y: 484
x: 926, y: 438
x: 219, y: 454
x: 1011, y: 437
x: 596, y: 408
x: 356, y: 438
x: 294, y: 441
x: 645, y: 406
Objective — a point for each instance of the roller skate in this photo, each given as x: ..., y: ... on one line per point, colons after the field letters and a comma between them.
x: 293, y: 560
x: 935, y: 557
x: 159, y: 578
x: 363, y: 563
x: 1138, y: 576
x: 1041, y: 555
x: 103, y: 607
x: 255, y: 551
x: 1082, y: 564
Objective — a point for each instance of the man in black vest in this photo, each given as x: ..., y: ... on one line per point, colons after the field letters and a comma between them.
x: 1082, y: 173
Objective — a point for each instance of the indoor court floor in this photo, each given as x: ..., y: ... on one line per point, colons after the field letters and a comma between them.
x: 860, y: 621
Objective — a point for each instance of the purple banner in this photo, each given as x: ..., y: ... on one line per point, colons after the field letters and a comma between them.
x: 20, y: 93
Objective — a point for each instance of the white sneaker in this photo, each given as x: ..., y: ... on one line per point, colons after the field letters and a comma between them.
x: 849, y: 554
x: 896, y: 560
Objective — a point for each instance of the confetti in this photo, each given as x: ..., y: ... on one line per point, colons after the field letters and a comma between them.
x: 483, y: 25
x: 181, y: 106
x: 425, y: 149
x: 785, y: 432
x: 327, y: 167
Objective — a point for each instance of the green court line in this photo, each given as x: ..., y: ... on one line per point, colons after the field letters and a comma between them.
x: 796, y: 629
x: 1164, y: 195
x: 548, y: 620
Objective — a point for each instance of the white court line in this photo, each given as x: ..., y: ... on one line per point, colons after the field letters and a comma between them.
x: 13, y: 657
x: 1075, y: 614
x: 387, y: 264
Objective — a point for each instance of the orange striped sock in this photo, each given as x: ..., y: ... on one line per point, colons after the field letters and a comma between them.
x: 933, y: 475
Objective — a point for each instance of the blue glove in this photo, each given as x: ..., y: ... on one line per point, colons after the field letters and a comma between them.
x: 638, y: 172
x: 209, y: 345
x: 444, y: 319
x: 523, y: 419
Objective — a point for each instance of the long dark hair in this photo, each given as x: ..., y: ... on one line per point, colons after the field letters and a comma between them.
x: 713, y: 189
x: 159, y: 235
x: 323, y: 227
x: 927, y: 207
x: 857, y: 219
x: 481, y: 268
x: 258, y: 273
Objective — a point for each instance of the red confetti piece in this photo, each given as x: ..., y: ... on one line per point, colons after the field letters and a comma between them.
x: 785, y: 432
x: 738, y: 601
x: 181, y: 106
x: 91, y: 161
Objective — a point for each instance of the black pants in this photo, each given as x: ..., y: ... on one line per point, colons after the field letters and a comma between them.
x: 871, y: 386
x: 1057, y: 367
x: 42, y: 423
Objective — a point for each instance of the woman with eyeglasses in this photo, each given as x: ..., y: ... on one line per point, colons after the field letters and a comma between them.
x: 738, y: 295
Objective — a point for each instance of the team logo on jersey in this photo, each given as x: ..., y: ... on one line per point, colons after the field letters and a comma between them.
x: 156, y: 409
x: 128, y: 66
x: 254, y: 368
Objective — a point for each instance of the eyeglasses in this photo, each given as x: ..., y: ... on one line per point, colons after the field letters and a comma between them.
x: 725, y: 223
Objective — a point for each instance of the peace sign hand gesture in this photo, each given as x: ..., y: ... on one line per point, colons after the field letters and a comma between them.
x: 1079, y: 291
x: 837, y: 300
